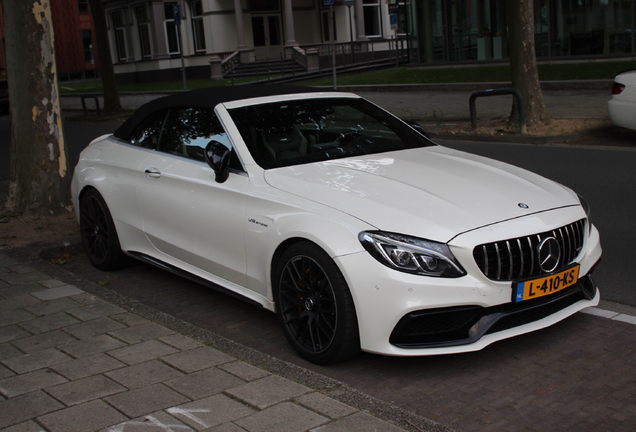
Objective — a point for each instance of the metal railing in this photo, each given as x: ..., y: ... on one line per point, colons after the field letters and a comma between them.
x: 316, y: 58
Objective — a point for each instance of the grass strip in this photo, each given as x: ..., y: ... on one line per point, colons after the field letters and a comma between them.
x: 395, y: 75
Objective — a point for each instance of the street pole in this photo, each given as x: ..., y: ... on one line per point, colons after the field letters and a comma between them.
x: 333, y: 46
x: 177, y: 21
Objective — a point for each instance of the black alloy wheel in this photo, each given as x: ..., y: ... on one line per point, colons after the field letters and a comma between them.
x: 99, y: 236
x: 314, y: 305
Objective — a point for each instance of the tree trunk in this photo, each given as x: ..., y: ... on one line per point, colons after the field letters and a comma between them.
x: 112, y: 104
x: 523, y: 61
x: 40, y: 182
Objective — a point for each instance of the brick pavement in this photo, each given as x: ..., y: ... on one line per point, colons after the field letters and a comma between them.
x: 573, y: 376
x: 71, y: 361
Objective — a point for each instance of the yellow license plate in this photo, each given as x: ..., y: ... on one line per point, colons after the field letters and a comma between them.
x: 546, y: 285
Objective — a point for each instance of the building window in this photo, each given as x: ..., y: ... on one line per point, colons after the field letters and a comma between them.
x: 171, y: 29
x: 264, y: 5
x: 87, y: 42
x: 120, y: 36
x: 82, y: 5
x: 372, y: 17
x: 584, y: 27
x: 143, y: 26
x: 198, y: 34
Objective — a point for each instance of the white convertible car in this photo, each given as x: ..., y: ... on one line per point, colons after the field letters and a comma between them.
x: 356, y: 229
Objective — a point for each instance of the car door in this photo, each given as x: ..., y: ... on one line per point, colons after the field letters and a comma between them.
x: 116, y: 166
x: 186, y: 214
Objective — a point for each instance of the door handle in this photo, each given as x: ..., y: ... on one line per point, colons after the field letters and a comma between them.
x: 152, y: 173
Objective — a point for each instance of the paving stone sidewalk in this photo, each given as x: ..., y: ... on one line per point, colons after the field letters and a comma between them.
x: 71, y: 361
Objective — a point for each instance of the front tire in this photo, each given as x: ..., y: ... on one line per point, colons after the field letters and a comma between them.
x: 314, y: 305
x: 98, y: 232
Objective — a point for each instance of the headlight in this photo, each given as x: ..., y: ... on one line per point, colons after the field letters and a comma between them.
x: 588, y: 211
x: 411, y: 254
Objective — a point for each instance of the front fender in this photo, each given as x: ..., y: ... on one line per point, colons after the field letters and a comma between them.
x: 278, y: 219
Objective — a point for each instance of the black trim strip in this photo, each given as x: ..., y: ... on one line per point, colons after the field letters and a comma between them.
x: 467, y: 324
x: 180, y: 272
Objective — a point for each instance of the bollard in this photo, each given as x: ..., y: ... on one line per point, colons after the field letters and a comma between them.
x: 497, y: 92
x: 96, y: 103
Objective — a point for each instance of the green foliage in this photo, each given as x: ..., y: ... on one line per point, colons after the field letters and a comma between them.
x: 417, y: 75
x: 396, y: 75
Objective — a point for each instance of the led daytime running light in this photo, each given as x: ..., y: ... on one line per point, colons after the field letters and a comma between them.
x: 412, y: 255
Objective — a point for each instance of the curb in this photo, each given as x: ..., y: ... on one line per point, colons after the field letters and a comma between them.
x: 614, y: 316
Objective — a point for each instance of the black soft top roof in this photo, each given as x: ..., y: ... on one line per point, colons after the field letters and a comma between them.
x: 207, y: 98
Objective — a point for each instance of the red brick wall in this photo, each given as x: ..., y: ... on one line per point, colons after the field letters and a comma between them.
x: 68, y: 24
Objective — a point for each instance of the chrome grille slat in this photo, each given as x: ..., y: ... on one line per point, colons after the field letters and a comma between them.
x: 510, y: 260
x: 498, y: 262
x: 521, y: 260
x: 580, y: 229
x: 575, y: 235
x: 558, y: 234
x: 570, y: 248
x: 484, y: 267
x: 515, y: 259
x: 531, y: 255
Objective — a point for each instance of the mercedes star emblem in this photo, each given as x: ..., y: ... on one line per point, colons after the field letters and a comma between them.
x: 549, y: 252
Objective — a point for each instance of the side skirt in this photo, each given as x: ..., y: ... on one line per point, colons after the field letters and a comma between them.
x: 180, y: 272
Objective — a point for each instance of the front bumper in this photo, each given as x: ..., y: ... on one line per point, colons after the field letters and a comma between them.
x: 465, y: 314
x: 465, y: 325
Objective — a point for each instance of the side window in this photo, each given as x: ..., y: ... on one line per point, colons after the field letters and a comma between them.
x: 189, y: 130
x: 148, y: 132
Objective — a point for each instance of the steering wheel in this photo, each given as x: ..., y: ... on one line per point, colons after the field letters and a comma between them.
x: 347, y: 136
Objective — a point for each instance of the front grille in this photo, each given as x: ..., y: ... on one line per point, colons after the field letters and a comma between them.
x: 517, y: 259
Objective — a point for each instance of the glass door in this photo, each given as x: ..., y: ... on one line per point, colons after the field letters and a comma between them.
x: 268, y: 35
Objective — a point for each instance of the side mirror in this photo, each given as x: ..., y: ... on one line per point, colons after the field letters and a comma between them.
x: 417, y: 127
x: 218, y: 157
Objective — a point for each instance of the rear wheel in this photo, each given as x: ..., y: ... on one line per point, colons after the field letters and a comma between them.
x: 314, y: 305
x: 99, y: 236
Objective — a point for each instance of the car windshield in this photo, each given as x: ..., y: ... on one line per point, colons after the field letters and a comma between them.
x: 312, y: 130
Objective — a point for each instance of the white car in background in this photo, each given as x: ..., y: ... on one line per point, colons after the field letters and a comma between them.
x: 356, y: 229
x: 622, y: 105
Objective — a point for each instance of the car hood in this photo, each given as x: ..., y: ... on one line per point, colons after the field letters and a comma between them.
x: 434, y: 193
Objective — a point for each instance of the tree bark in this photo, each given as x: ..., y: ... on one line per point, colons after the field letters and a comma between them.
x: 39, y: 182
x: 112, y: 104
x: 523, y: 61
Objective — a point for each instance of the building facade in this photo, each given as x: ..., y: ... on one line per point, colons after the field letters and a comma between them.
x: 146, y: 42
x: 445, y: 31
x: 145, y: 37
